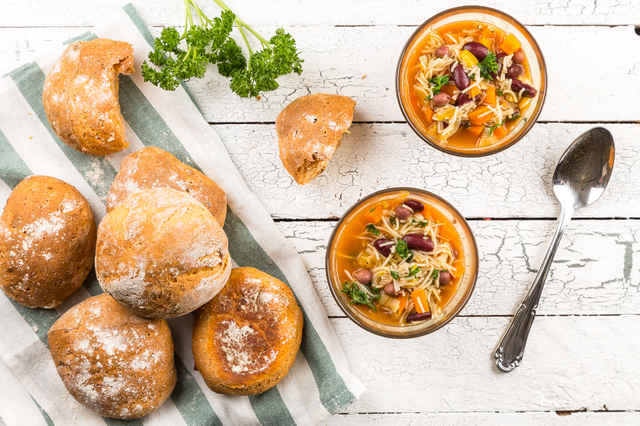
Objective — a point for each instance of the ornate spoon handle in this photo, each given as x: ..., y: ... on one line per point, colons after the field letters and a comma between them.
x: 510, y: 350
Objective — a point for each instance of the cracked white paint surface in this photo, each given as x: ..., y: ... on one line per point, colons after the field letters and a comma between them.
x: 513, y: 183
x: 596, y: 270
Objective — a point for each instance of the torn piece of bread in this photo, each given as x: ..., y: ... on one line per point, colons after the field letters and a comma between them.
x: 80, y: 95
x: 309, y: 132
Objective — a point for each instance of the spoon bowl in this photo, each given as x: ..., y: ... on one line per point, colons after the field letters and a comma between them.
x: 580, y: 178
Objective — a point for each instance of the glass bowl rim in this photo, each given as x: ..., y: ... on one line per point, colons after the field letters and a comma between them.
x: 539, y: 57
x: 458, y: 308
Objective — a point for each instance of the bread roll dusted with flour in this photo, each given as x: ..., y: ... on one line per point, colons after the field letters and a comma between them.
x: 153, y: 167
x: 80, y: 95
x: 246, y: 339
x: 161, y: 254
x: 112, y: 361
x: 47, y: 242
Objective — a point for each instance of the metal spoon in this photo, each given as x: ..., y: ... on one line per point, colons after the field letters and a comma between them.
x: 580, y: 178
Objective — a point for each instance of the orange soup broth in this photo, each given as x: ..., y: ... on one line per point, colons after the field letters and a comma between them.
x: 462, y: 138
x: 349, y: 246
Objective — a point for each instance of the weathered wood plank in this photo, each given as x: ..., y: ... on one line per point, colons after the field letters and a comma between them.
x: 486, y: 419
x: 361, y: 61
x: 571, y: 363
x: 595, y: 269
x: 514, y: 183
x: 331, y: 12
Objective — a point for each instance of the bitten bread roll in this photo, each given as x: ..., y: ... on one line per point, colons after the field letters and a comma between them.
x: 246, y: 339
x: 111, y: 361
x: 47, y: 242
x: 80, y: 95
x: 153, y: 167
x: 161, y: 254
x: 309, y: 132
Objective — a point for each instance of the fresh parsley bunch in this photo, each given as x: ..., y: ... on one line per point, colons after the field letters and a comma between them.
x: 209, y: 42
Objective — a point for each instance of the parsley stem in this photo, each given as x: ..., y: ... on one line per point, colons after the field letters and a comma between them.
x: 240, y: 22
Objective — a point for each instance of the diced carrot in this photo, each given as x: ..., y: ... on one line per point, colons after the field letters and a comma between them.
x: 449, y: 89
x: 510, y: 44
x: 485, y: 41
x: 374, y: 215
x: 487, y: 32
x: 490, y: 97
x: 403, y: 302
x: 475, y: 130
x: 474, y: 91
x: 499, y: 132
x: 420, y: 301
x: 480, y: 115
x: 428, y: 112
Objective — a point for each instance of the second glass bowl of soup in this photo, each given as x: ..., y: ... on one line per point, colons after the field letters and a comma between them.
x: 402, y: 262
x: 471, y: 81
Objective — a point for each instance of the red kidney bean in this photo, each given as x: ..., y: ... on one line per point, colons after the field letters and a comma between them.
x: 445, y: 277
x: 518, y: 57
x: 514, y: 71
x: 441, y: 99
x: 460, y: 77
x: 419, y: 242
x: 415, y: 316
x: 364, y: 276
x: 390, y: 289
x: 402, y: 213
x: 384, y: 250
x: 517, y: 86
x: 415, y: 205
x: 462, y: 99
x: 478, y: 50
x: 442, y: 51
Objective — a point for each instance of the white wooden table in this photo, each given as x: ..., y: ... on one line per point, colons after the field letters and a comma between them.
x: 582, y: 364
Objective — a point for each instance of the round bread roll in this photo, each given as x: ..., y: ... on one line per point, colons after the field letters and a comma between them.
x: 111, y: 361
x: 246, y: 339
x: 80, y: 95
x: 309, y: 132
x: 47, y: 242
x: 153, y: 167
x: 161, y: 254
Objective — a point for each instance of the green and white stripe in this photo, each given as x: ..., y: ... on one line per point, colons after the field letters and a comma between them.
x: 319, y: 383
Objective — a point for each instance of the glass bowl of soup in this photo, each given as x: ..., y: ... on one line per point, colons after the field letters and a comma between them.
x: 401, y: 262
x: 471, y: 81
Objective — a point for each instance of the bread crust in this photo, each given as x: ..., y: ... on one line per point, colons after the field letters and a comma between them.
x: 112, y: 361
x: 80, y: 95
x: 47, y: 242
x: 153, y: 167
x: 309, y: 132
x: 161, y: 254
x: 246, y: 339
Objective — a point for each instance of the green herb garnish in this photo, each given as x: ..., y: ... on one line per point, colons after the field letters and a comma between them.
x: 438, y: 82
x: 514, y: 117
x: 359, y: 297
x: 488, y: 66
x: 413, y: 271
x: 392, y: 221
x: 372, y: 228
x: 472, y: 76
x: 436, y: 273
x: 419, y: 223
x: 499, y: 92
x: 394, y: 274
x: 402, y: 249
x: 494, y: 127
x: 209, y: 42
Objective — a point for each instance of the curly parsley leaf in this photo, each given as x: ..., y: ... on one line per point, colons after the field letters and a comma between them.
x: 210, y: 42
x: 488, y: 66
x: 372, y: 229
x: 402, y: 249
x: 359, y: 297
x: 394, y: 274
x: 413, y: 271
x: 438, y: 82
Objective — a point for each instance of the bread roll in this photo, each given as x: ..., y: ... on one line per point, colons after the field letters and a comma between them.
x: 112, y: 361
x: 161, y: 254
x: 47, y: 242
x: 309, y: 132
x: 153, y: 167
x: 246, y: 339
x: 80, y: 95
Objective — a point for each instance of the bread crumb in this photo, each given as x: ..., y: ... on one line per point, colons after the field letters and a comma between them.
x: 363, y: 76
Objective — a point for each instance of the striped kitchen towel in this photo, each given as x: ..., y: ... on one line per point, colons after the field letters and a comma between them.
x: 31, y: 393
